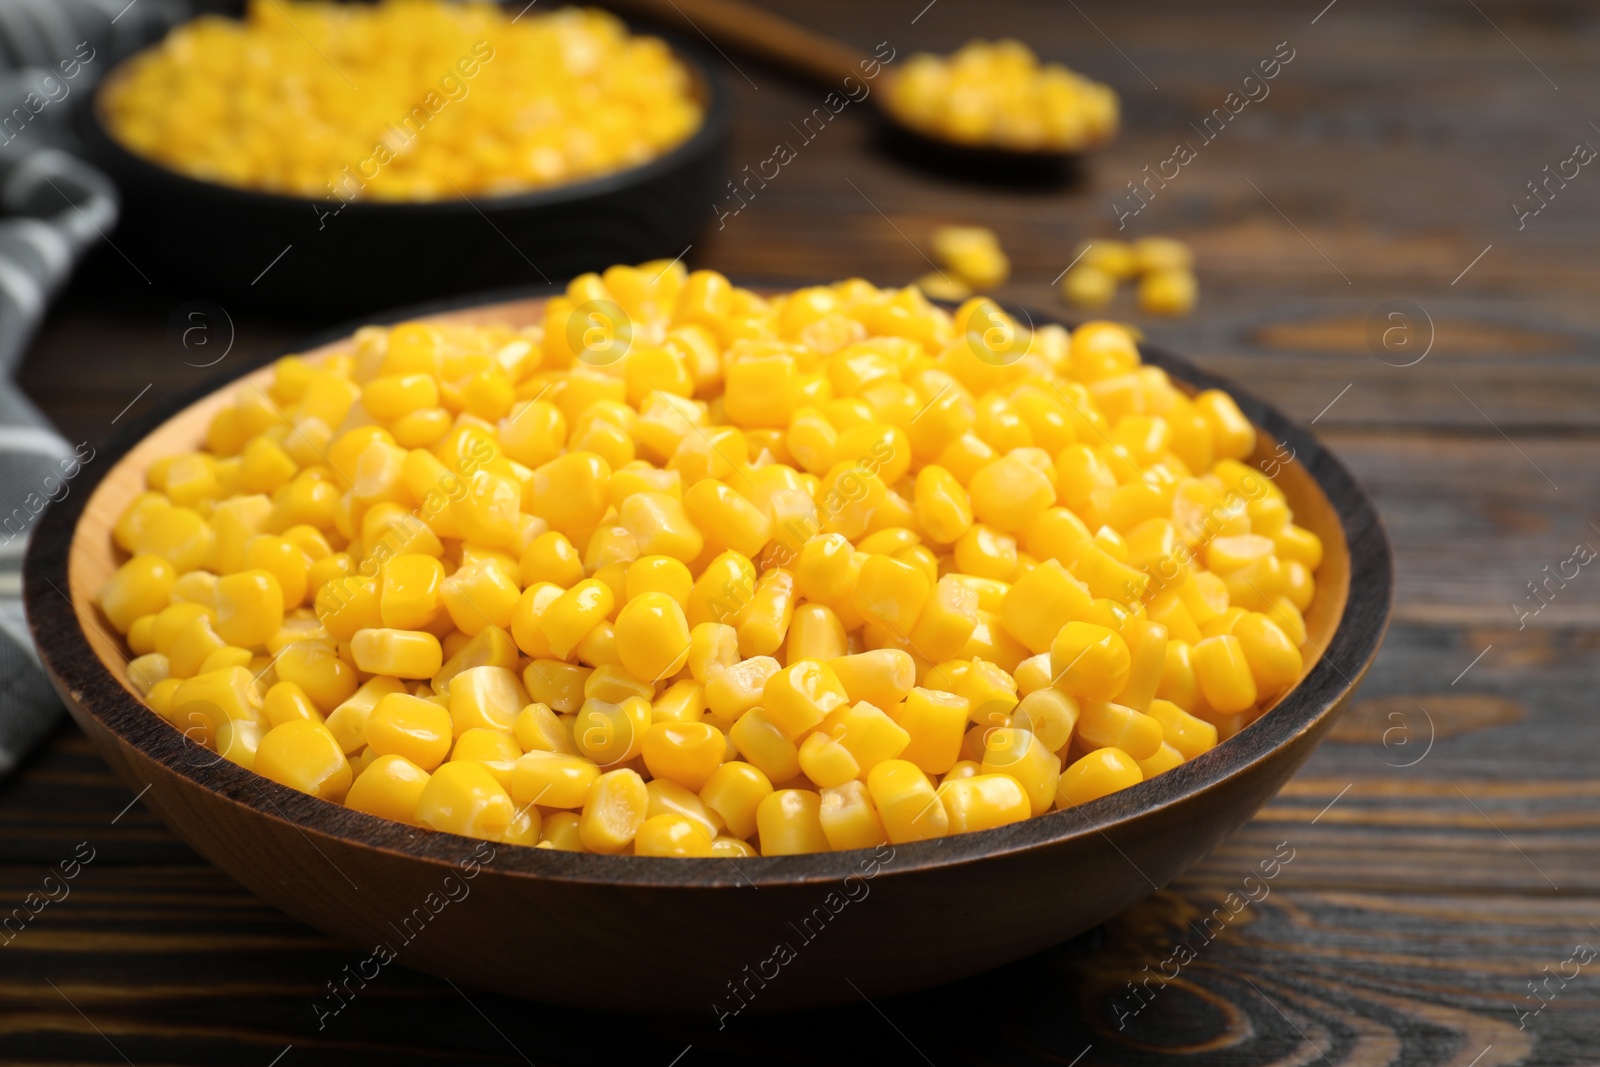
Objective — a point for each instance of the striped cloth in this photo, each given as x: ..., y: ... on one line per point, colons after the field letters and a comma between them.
x: 53, y: 208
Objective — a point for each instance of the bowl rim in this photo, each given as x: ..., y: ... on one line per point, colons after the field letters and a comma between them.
x: 715, y: 129
x: 75, y: 668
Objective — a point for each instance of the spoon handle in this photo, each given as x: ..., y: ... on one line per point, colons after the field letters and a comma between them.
x: 760, y: 33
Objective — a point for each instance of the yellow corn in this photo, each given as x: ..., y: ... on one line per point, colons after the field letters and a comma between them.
x: 397, y: 653
x: 462, y: 797
x: 140, y: 587
x: 906, y: 802
x: 552, y: 780
x: 1184, y: 732
x: 249, y: 608
x: 983, y: 801
x: 735, y: 791
x: 560, y: 832
x: 763, y: 744
x: 596, y: 76
x: 670, y: 798
x: 1041, y: 602
x: 1223, y: 672
x: 935, y: 723
x: 798, y: 697
x: 1100, y: 773
x: 670, y: 835
x: 840, y: 540
x: 789, y: 822
x: 849, y: 817
x: 1275, y: 662
x: 613, y: 811
x: 304, y: 755
x: 999, y: 93
x: 611, y: 733
x: 404, y: 725
x: 1010, y: 493
x: 390, y: 788
x: 327, y: 680
x: 574, y: 613
x: 1023, y: 756
x: 881, y: 677
x: 683, y: 752
x: 1106, y: 725
x: 816, y: 633
x: 1089, y: 661
x: 485, y: 697
x: 653, y: 636
x: 972, y: 252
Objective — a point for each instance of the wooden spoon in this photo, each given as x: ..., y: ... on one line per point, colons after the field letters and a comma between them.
x: 829, y: 63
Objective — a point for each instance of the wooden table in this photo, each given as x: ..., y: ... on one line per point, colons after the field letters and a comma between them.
x: 1446, y: 841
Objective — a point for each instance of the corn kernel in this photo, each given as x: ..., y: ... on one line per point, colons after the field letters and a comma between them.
x: 789, y: 822
x: 797, y: 698
x: 670, y: 835
x: 1275, y: 662
x: 1184, y: 732
x: 1223, y: 671
x: 1100, y: 773
x: 249, y: 608
x: 1010, y: 493
x: 611, y: 733
x: 1041, y: 602
x: 303, y: 755
x: 765, y: 746
x: 935, y: 723
x: 1089, y: 661
x: 552, y: 780
x: 613, y: 811
x: 462, y: 797
x: 485, y: 697
x: 390, y: 788
x: 140, y: 587
x: 983, y: 802
x: 1023, y: 756
x: 906, y: 802
x: 1103, y: 724
x: 398, y: 653
x: 735, y: 791
x: 404, y: 725
x: 683, y: 752
x: 652, y: 636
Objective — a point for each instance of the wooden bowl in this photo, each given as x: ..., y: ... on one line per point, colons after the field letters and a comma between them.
x: 247, y: 247
x: 656, y: 935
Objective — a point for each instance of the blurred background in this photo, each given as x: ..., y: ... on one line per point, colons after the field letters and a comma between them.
x: 1396, y: 244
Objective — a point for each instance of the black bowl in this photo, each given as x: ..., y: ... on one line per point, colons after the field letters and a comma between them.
x: 256, y: 248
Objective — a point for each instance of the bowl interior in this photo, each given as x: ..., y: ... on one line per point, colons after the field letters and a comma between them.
x: 91, y: 557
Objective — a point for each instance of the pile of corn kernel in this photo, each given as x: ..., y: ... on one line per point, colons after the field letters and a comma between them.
x: 999, y: 94
x: 684, y: 570
x: 1163, y: 268
x: 401, y: 100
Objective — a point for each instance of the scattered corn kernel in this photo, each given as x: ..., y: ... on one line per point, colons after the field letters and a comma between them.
x: 973, y: 254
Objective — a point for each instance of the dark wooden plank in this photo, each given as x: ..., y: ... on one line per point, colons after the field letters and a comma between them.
x: 1361, y: 978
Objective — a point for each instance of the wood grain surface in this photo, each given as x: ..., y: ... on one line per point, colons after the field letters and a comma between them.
x: 1446, y: 840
